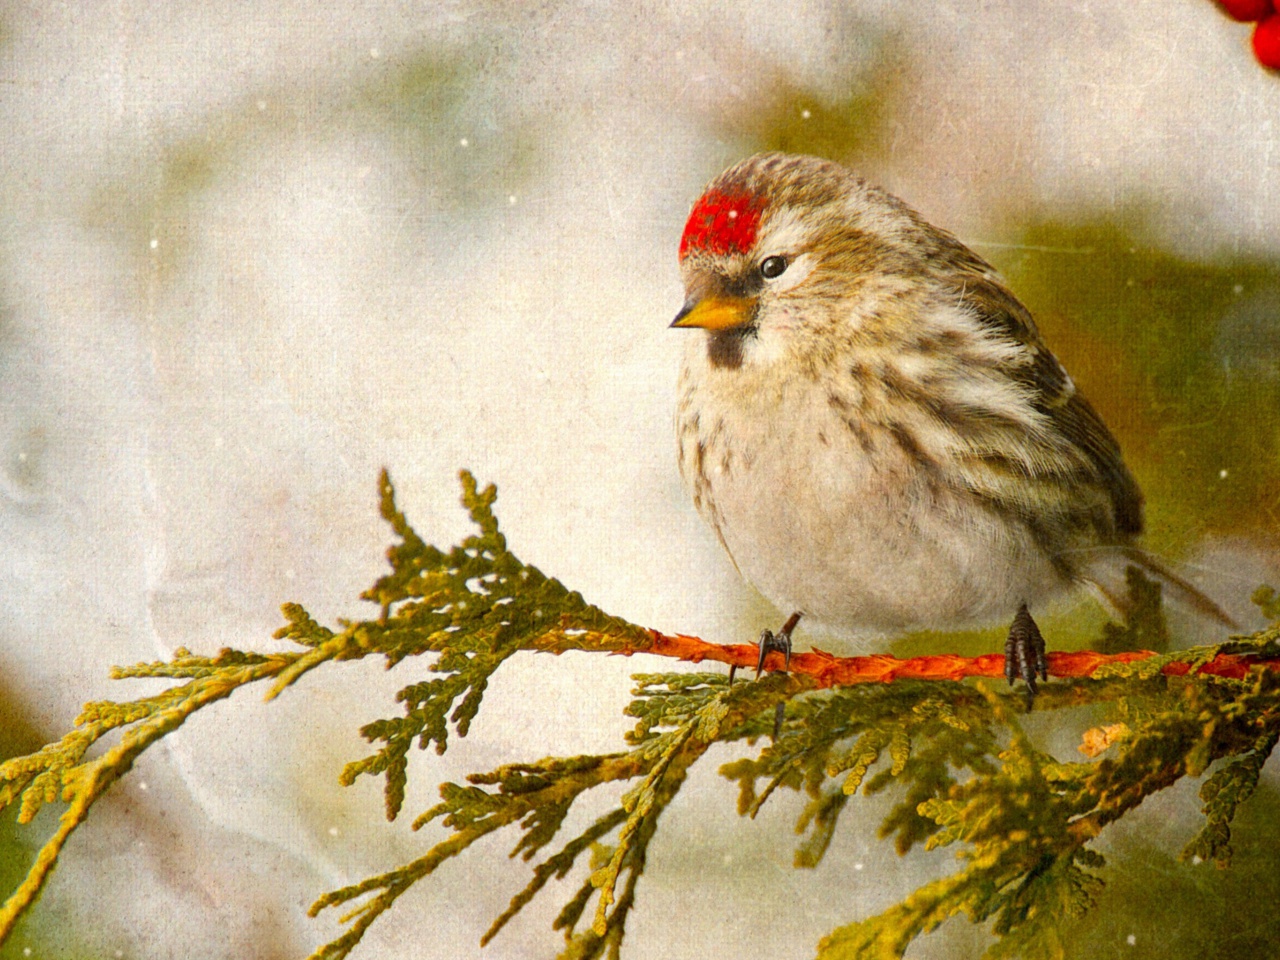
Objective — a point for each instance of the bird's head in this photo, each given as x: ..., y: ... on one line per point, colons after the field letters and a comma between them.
x: 777, y: 248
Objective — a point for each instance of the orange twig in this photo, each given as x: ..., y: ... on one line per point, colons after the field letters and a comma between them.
x: 828, y: 670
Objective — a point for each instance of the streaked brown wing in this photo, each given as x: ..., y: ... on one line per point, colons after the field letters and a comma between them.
x: 1057, y: 397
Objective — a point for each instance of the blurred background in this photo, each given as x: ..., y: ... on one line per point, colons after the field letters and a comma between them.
x: 251, y: 253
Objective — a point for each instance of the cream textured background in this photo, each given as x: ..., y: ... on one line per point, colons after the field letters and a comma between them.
x: 232, y: 290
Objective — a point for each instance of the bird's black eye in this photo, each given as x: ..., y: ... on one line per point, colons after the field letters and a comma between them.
x: 773, y: 267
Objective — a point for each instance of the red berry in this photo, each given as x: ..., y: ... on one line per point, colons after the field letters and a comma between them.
x: 1266, y: 42
x: 1247, y: 11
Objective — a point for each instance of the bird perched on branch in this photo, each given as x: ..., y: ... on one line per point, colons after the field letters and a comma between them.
x: 873, y: 427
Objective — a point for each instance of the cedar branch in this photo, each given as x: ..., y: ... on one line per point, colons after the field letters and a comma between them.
x: 828, y: 670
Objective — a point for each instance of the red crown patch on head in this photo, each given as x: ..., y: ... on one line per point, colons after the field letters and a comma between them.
x: 723, y: 223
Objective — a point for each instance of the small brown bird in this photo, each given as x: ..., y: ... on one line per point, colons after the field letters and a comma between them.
x: 873, y: 427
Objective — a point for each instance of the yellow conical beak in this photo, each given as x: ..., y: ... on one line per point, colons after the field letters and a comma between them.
x: 714, y: 312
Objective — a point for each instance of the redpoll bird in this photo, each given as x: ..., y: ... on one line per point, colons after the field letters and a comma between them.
x: 872, y: 425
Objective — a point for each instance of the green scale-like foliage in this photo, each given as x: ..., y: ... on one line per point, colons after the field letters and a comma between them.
x: 475, y: 606
x: 960, y: 769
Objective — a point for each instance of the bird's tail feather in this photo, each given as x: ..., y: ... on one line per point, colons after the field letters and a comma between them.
x: 1106, y: 574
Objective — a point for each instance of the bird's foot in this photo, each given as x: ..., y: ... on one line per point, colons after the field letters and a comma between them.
x: 771, y: 642
x: 779, y: 642
x: 1024, y: 654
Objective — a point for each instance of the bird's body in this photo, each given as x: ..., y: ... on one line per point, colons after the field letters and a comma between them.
x: 860, y: 544
x: 871, y: 422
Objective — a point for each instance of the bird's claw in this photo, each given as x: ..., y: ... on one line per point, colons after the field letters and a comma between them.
x: 771, y: 642
x: 1024, y: 652
x: 779, y: 642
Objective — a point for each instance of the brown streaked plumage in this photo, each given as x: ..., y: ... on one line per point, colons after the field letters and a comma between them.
x: 906, y: 450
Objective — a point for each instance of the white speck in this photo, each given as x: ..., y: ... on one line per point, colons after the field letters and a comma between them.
x: 464, y: 142
x: 22, y: 457
x: 262, y: 104
x: 142, y: 785
x: 289, y: 574
x: 857, y: 866
x: 26, y: 951
x: 805, y: 114
x: 217, y: 443
x: 154, y: 243
x: 1238, y: 289
x: 119, y: 953
x: 375, y: 53
x: 1222, y: 474
x: 728, y: 859
x: 333, y: 831
x: 1131, y: 939
x: 733, y: 214
x: 511, y: 199
x: 362, y: 172
x: 1196, y: 860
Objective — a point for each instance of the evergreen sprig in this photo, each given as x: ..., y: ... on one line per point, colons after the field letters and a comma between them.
x: 1025, y: 827
x: 680, y: 716
x: 964, y: 772
x: 475, y: 605
x: 60, y: 771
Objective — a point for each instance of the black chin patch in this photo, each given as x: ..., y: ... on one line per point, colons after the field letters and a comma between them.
x: 724, y: 347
